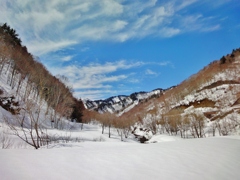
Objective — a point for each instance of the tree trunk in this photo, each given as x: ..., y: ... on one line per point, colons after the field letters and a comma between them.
x: 102, y: 128
x: 109, y: 131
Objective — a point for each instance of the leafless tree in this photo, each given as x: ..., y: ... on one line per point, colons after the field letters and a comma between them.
x: 197, y: 125
x: 28, y: 125
x: 5, y: 141
x: 123, y: 125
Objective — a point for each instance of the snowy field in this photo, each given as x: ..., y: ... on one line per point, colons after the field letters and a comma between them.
x: 170, y: 158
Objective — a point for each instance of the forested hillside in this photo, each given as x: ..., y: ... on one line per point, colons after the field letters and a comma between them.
x: 28, y: 90
x: 28, y: 77
x: 205, y: 104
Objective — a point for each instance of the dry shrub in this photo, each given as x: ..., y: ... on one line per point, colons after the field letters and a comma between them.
x: 5, y: 141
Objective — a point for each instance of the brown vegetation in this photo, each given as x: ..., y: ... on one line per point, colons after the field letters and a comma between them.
x: 170, y: 117
x: 30, y: 77
x: 35, y: 87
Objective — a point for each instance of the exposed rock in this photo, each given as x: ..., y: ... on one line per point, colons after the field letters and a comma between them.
x: 142, y: 134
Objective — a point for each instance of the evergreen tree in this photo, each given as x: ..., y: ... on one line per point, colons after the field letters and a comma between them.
x: 10, y: 34
x: 223, y: 60
x: 78, y: 108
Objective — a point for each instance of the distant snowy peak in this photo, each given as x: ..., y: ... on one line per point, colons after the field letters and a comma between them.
x: 120, y: 103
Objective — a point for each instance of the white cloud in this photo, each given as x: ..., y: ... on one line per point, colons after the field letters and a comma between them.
x: 134, y: 80
x: 96, y: 94
x: 211, y: 28
x: 150, y: 72
x: 96, y: 80
x: 169, y: 32
x: 219, y: 3
x: 111, y: 7
x: 165, y: 63
x: 184, y: 4
x: 95, y: 76
x: 47, y: 26
x: 67, y: 58
x: 199, y: 23
x: 40, y: 47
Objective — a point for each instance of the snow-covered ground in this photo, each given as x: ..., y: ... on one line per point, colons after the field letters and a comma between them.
x: 168, y: 158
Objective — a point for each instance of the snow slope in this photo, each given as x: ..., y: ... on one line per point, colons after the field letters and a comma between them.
x: 208, y: 158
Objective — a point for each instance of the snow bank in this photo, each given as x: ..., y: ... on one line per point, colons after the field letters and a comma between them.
x: 209, y: 158
x: 164, y: 138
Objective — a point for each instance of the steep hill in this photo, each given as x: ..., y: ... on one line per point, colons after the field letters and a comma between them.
x: 28, y: 79
x: 209, y: 99
x: 32, y: 100
x: 203, y: 103
x: 222, y: 74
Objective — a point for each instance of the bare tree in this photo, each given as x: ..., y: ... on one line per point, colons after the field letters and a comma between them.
x: 197, y: 125
x: 225, y: 126
x: 5, y: 141
x: 109, y: 119
x: 123, y: 125
x: 28, y: 125
x: 151, y: 121
x: 213, y: 128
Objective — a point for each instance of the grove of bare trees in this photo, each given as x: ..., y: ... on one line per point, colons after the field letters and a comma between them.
x: 35, y: 85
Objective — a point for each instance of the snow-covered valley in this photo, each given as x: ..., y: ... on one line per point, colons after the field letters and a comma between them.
x: 170, y: 158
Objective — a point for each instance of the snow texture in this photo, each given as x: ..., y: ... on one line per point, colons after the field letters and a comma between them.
x: 209, y: 158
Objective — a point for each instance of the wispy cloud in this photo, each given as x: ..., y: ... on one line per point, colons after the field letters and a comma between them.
x: 150, y: 72
x: 41, y: 46
x: 95, y: 77
x: 212, y: 28
x: 84, y: 49
x: 95, y: 94
x: 164, y: 63
x: 199, y: 23
x: 67, y: 58
x: 47, y: 26
x: 134, y: 80
x: 184, y: 4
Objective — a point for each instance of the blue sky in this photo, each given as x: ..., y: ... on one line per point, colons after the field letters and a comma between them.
x: 117, y: 47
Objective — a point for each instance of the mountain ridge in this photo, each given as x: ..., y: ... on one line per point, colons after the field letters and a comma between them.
x: 212, y: 95
x: 120, y: 102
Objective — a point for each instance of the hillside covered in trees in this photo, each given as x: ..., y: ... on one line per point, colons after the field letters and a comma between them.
x: 32, y: 87
x: 205, y: 104
x: 29, y: 77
